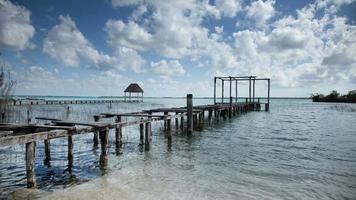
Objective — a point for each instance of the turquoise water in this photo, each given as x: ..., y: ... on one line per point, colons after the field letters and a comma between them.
x: 298, y: 150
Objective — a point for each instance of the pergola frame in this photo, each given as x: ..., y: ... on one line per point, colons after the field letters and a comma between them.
x: 138, y: 96
x: 251, y: 80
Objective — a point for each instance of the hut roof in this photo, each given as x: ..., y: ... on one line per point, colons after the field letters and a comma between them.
x: 133, y: 87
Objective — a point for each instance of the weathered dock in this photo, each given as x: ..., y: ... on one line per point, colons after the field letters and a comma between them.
x: 186, y: 120
x: 17, y: 102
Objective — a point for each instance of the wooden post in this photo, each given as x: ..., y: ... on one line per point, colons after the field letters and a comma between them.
x: 142, y: 129
x: 147, y: 136
x: 169, y: 133
x: 104, y: 139
x: 70, y: 151
x: 168, y: 125
x: 182, y: 123
x: 230, y: 80
x: 214, y: 90
x: 254, y: 90
x: 236, y: 92
x: 222, y: 92
x: 30, y: 164
x: 189, y: 114
x: 47, y: 146
x: 230, y: 107
x: 165, y: 121
x: 267, y: 105
x: 249, y: 90
x: 177, y: 121
x: 95, y: 136
x: 118, y: 133
x: 210, y: 113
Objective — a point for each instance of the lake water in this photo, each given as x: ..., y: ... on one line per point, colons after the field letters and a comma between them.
x: 297, y: 150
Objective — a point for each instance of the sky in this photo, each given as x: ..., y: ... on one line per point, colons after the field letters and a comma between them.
x: 176, y: 47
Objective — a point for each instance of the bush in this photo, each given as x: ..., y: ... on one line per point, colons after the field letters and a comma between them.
x: 334, y: 96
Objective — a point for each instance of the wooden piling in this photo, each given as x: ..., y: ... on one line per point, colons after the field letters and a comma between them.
x: 177, y: 121
x: 182, y: 123
x: 214, y: 90
x: 210, y: 113
x: 267, y: 105
x: 96, y: 135
x: 230, y: 107
x: 30, y: 164
x: 189, y: 114
x: 70, y: 151
x: 104, y: 139
x: 141, y: 133
x: 47, y: 146
x: 118, y: 133
x: 147, y: 136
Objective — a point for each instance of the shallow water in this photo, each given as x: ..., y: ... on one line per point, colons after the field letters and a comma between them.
x: 298, y: 150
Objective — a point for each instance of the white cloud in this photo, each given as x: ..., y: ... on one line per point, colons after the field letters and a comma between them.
x: 16, y: 29
x: 129, y: 35
x: 228, y: 8
x: 261, y: 11
x: 167, y: 69
x: 66, y: 44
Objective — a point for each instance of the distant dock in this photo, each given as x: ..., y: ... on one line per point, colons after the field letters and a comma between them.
x: 185, y: 119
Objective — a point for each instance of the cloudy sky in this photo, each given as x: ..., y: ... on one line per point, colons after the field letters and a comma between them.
x: 175, y: 47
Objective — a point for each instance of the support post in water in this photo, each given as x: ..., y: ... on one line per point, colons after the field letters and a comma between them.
x: 230, y: 107
x: 95, y: 136
x: 236, y: 91
x: 142, y: 129
x: 182, y: 122
x: 214, y: 90
x: 189, y: 114
x: 30, y: 164
x: 147, y: 136
x: 165, y: 122
x: 47, y: 145
x: 70, y: 151
x: 249, y: 90
x: 104, y: 139
x: 222, y: 91
x: 118, y: 133
x: 267, y: 104
x: 176, y: 120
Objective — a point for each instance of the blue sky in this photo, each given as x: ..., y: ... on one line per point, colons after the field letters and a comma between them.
x: 172, y: 47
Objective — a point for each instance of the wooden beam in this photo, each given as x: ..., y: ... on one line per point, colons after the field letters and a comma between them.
x: 147, y: 136
x: 32, y: 137
x: 30, y: 164
x: 189, y: 114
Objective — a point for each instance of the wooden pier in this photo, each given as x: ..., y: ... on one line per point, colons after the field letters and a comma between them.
x: 186, y: 120
x: 19, y: 102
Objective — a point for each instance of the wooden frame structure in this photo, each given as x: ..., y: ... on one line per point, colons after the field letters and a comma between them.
x: 251, y: 86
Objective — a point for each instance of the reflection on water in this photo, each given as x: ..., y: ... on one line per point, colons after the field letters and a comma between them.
x: 298, y: 150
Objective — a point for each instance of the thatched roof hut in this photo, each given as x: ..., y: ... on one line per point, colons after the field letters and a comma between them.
x: 134, y: 88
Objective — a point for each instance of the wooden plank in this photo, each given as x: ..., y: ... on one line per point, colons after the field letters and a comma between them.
x: 31, y: 137
x: 92, y: 124
x: 130, y: 115
x: 47, y: 118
